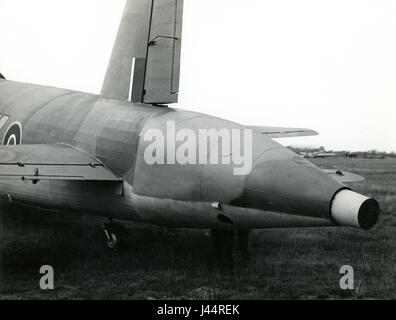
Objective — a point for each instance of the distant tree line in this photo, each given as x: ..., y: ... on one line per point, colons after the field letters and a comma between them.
x: 370, y: 154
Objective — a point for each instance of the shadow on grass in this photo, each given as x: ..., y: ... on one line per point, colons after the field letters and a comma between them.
x: 162, y: 263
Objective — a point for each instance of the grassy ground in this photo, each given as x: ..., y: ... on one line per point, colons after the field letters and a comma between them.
x: 158, y: 263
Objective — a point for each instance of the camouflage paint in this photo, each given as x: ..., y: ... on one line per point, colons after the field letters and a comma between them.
x: 174, y: 195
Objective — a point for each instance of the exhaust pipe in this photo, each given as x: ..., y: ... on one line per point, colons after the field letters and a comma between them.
x: 354, y: 210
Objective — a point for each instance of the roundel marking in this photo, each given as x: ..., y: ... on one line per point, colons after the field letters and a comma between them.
x: 13, y: 135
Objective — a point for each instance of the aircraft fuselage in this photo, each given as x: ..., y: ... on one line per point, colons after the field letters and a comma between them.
x: 196, y: 196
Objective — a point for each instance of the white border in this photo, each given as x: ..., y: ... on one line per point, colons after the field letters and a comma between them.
x: 9, y: 127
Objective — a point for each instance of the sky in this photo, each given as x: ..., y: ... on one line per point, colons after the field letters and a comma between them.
x: 328, y: 65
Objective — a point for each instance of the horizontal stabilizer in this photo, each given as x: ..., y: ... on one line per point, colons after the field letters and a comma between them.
x: 279, y: 132
x: 51, y: 162
x: 344, y: 176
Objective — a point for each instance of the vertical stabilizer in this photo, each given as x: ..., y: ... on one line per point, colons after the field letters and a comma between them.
x: 145, y: 64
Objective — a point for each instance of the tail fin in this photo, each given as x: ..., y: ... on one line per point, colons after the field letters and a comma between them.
x: 145, y: 64
x: 1, y: 76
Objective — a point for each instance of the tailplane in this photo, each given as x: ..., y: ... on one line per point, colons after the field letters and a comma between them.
x: 145, y: 63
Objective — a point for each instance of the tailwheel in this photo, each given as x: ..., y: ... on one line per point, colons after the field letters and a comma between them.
x: 112, y: 236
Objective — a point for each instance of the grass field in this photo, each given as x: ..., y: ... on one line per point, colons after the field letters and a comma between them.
x: 159, y: 263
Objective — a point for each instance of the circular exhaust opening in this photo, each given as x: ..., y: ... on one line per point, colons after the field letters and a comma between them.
x: 369, y: 214
x: 354, y: 210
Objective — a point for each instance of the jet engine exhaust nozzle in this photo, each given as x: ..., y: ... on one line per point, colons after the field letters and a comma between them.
x: 355, y: 210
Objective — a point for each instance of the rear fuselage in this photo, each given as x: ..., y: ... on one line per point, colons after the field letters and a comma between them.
x: 282, y: 189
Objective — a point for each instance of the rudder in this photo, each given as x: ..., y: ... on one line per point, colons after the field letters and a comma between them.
x: 145, y: 63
